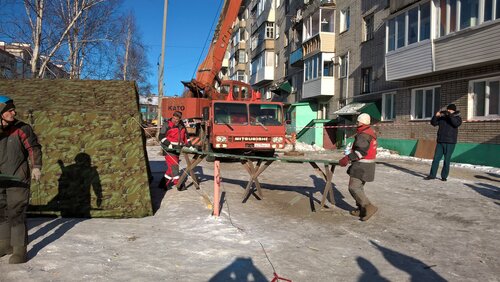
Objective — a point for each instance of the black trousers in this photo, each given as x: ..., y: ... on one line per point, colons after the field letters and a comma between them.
x: 13, y: 205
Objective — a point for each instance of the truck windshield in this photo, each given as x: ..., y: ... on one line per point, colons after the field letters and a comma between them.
x: 266, y: 114
x: 230, y: 113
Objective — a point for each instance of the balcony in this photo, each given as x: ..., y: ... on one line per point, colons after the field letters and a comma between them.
x: 296, y: 58
x: 262, y: 76
x: 472, y: 46
x: 322, y: 86
x: 409, y: 61
x: 321, y: 42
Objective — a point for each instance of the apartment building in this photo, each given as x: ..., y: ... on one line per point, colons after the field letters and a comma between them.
x: 15, y: 62
x: 434, y: 53
x: 400, y: 61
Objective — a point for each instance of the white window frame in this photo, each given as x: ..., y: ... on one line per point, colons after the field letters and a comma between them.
x: 343, y: 65
x: 480, y: 19
x: 406, y: 26
x: 471, y: 103
x: 368, y: 35
x: 384, y: 98
x: 413, y: 103
x: 345, y: 19
x: 269, y: 30
x: 322, y: 110
x: 312, y: 68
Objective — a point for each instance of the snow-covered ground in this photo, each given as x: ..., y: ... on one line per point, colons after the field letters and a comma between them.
x: 423, y: 231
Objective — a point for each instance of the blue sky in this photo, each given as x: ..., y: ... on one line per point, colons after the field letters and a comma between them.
x: 188, y: 25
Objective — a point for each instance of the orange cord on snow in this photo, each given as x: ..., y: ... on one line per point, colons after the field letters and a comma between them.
x: 278, y: 278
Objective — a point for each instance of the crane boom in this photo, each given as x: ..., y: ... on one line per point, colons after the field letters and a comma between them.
x: 203, y: 85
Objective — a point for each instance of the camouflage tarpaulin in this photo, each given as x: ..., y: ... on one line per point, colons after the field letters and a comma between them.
x: 94, y: 157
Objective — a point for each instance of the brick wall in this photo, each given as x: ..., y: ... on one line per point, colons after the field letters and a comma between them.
x: 453, y: 90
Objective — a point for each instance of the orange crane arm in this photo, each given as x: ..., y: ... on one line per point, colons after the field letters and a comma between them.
x: 209, y: 69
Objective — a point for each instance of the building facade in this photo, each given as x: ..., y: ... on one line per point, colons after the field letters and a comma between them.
x: 401, y: 60
x: 15, y: 63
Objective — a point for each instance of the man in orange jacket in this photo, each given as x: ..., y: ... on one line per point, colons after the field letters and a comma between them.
x: 362, y: 169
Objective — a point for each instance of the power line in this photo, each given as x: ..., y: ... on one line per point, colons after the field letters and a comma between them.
x: 208, y: 37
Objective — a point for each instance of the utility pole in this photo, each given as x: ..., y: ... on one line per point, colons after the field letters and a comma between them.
x: 161, y: 66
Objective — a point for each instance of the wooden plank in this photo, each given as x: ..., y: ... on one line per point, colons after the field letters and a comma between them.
x: 425, y: 149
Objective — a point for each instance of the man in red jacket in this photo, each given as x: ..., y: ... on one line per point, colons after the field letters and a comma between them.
x: 173, y: 136
x: 19, y: 149
x: 362, y: 169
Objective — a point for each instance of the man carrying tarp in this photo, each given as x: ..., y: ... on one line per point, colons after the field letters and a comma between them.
x: 18, y: 143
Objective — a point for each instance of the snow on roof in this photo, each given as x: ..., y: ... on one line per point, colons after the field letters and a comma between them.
x: 351, y: 109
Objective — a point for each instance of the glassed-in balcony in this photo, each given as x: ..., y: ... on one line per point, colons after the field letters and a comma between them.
x: 296, y: 57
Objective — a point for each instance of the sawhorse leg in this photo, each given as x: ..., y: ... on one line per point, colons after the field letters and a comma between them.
x: 190, y: 165
x: 254, y: 171
x: 327, y: 175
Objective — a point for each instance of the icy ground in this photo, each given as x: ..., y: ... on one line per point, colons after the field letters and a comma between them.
x: 423, y: 231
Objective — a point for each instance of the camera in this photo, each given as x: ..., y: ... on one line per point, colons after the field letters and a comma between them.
x: 444, y: 113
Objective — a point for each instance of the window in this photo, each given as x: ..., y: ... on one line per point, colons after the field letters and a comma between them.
x: 484, y: 100
x: 366, y: 79
x: 261, y: 5
x: 368, y: 27
x: 322, y: 111
x: 391, y: 44
x: 401, y: 26
x: 311, y: 26
x: 327, y: 20
x: 455, y: 15
x: 230, y: 113
x: 345, y: 19
x: 413, y: 25
x: 240, y: 76
x: 311, y: 68
x: 327, y: 68
x: 343, y: 64
x: 269, y: 30
x: 425, y: 102
x: 409, y: 27
x: 388, y: 106
x: 469, y: 13
x: 266, y: 114
x: 241, y: 56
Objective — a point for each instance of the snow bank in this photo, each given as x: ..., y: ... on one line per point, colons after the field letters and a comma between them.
x: 388, y: 154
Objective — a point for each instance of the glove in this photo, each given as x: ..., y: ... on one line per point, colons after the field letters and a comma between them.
x: 165, y: 142
x: 344, y: 161
x: 36, y: 174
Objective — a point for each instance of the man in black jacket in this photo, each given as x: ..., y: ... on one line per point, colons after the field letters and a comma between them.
x: 18, y: 147
x: 448, y: 122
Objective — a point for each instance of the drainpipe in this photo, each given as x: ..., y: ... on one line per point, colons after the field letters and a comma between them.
x: 346, y: 93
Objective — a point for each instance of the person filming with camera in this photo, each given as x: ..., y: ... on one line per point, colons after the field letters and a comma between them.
x: 448, y: 122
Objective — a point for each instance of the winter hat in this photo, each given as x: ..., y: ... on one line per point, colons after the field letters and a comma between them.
x: 364, y: 118
x: 452, y: 107
x: 6, y: 104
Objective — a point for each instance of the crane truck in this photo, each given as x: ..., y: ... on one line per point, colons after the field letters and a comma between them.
x: 226, y: 115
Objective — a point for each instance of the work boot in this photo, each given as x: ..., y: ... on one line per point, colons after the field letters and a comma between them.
x: 5, y: 248
x: 19, y: 255
x: 369, y: 211
x: 357, y: 211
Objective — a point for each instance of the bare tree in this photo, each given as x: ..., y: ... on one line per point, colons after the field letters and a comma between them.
x: 92, y: 31
x: 132, y: 63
